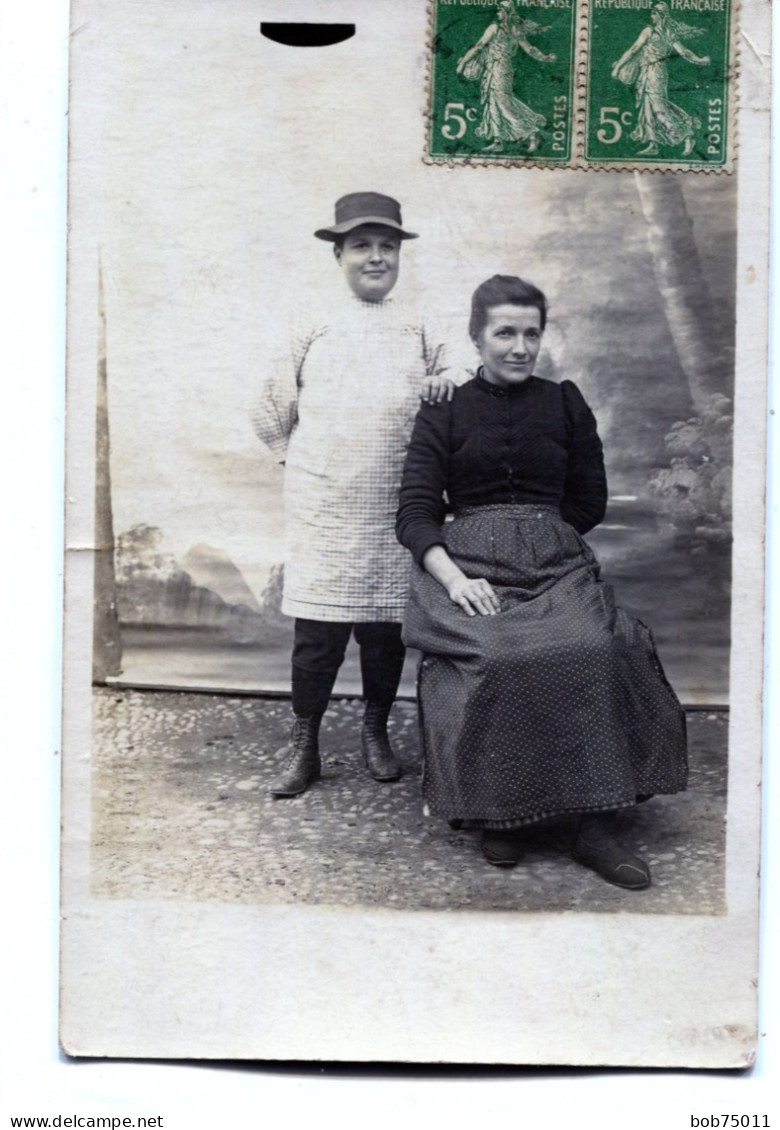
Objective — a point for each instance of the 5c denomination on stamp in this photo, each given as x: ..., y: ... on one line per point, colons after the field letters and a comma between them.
x: 659, y: 83
x: 502, y: 82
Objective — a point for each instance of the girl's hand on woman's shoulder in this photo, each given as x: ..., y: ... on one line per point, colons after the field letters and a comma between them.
x: 436, y: 389
x: 474, y: 595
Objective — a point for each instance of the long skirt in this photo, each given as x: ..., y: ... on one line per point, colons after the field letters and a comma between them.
x: 658, y: 119
x: 556, y: 704
x: 504, y: 116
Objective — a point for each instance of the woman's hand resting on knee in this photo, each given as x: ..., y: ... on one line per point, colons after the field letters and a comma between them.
x: 473, y: 594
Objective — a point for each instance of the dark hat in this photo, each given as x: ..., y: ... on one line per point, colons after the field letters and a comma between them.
x: 365, y: 208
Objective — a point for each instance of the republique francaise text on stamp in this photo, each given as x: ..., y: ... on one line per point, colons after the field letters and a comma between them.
x: 582, y: 83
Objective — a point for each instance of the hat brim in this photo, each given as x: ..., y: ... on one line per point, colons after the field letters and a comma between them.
x: 332, y: 234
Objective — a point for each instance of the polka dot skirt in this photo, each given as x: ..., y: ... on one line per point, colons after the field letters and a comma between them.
x: 556, y: 704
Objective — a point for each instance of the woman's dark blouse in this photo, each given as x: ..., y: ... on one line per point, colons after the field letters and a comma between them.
x: 534, y: 442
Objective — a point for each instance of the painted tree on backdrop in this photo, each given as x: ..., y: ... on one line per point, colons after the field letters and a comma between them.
x: 152, y: 588
x: 694, y: 492
x: 654, y: 351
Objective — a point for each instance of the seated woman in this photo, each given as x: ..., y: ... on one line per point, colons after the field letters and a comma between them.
x: 539, y: 698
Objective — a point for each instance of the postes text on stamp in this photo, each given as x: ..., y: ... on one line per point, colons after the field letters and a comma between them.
x: 658, y: 83
x: 502, y: 81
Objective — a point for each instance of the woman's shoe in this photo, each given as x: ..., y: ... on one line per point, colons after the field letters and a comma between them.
x: 502, y: 848
x: 597, y: 847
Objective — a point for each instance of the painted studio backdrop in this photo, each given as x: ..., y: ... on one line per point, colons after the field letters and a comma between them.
x: 205, y: 215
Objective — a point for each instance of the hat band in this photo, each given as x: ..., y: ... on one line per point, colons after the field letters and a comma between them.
x: 357, y: 221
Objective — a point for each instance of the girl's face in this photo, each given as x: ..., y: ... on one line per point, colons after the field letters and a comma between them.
x: 369, y: 259
x: 509, y: 343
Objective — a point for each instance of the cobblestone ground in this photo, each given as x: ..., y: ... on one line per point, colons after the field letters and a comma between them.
x: 181, y: 810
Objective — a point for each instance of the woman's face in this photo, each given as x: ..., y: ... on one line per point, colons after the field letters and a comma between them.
x: 509, y: 343
x: 369, y: 259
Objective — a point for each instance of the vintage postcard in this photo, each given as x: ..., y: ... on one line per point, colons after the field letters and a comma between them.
x: 416, y: 401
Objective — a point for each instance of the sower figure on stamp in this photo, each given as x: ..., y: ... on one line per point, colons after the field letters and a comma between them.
x: 644, y: 66
x: 504, y: 116
x: 338, y: 409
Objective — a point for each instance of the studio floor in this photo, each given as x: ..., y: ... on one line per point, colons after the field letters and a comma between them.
x: 181, y: 809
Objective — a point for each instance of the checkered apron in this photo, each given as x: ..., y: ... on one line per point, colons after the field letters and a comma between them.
x: 339, y: 409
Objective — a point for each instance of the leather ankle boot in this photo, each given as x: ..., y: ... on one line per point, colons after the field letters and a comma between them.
x: 503, y: 848
x: 303, y: 758
x: 598, y: 848
x: 379, y: 757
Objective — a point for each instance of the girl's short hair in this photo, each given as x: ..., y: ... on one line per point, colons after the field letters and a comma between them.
x: 504, y: 290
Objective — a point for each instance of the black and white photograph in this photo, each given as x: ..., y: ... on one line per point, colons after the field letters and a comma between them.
x: 413, y: 568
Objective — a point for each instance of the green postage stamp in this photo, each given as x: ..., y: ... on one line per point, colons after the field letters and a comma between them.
x: 502, y: 81
x: 583, y: 83
x: 658, y: 85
